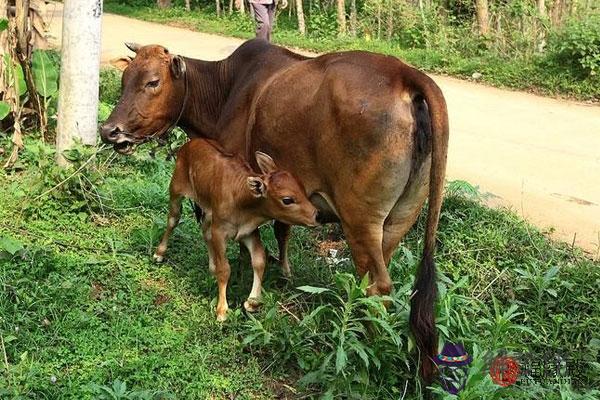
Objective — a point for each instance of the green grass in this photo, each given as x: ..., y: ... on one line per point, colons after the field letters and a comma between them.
x: 536, y: 73
x: 83, y: 307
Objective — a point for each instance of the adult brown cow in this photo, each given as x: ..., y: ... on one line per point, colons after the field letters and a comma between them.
x: 366, y: 134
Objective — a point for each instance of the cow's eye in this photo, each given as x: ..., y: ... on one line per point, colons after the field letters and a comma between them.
x: 152, y: 84
x: 288, y: 200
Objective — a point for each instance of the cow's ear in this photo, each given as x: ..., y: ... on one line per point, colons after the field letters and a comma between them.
x: 121, y: 63
x: 177, y: 66
x: 257, y: 186
x: 133, y: 46
x: 265, y: 163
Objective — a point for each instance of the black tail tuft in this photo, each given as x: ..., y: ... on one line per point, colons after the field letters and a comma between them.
x: 422, y: 318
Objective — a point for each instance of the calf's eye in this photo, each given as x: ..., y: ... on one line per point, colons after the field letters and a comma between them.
x: 288, y: 200
x: 152, y: 84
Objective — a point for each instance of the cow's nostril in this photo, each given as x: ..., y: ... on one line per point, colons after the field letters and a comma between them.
x: 110, y: 131
x: 114, y: 131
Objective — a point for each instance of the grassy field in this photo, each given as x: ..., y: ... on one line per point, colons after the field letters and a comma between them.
x: 537, y: 74
x: 85, y: 313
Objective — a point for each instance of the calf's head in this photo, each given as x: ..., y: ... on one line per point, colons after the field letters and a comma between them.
x: 284, y: 197
x: 152, y: 97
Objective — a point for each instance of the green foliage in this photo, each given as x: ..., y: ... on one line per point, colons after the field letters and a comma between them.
x: 3, y: 24
x: 45, y: 73
x: 321, y: 22
x: 14, y: 75
x: 10, y: 245
x: 118, y: 391
x: 4, y: 109
x: 345, y: 344
x: 578, y: 45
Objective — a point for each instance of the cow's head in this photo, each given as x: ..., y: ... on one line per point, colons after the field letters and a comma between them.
x: 284, y: 197
x: 152, y: 97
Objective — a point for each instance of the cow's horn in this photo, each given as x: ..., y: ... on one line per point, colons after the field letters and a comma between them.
x: 133, y: 46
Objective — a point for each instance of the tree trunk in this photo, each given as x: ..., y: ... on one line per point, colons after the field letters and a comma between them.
x: 353, y: 18
x: 188, y: 6
x: 23, y: 52
x: 300, y: 15
x: 390, y: 21
x: 341, y: 16
x: 218, y: 5
x: 541, y: 35
x: 163, y: 3
x: 79, y: 74
x: 379, y: 20
x: 556, y: 12
x: 483, y: 17
x: 541, y: 7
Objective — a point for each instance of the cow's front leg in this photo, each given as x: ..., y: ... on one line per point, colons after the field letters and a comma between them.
x: 282, y: 234
x: 217, y: 246
x: 258, y: 260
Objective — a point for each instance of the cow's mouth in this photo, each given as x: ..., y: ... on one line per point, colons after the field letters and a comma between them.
x: 125, y: 148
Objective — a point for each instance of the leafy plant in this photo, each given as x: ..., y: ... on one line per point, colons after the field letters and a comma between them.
x: 344, y: 343
x: 578, y: 45
x: 118, y: 391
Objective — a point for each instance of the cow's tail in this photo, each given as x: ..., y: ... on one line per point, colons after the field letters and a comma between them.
x: 422, y: 312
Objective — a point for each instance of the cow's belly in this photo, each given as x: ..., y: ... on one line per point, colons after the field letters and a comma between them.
x: 344, y: 144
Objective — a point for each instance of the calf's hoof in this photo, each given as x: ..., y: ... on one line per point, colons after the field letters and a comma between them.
x: 251, y: 305
x: 222, y: 317
x: 158, y: 258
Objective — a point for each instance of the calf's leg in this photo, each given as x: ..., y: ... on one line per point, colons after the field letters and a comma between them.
x: 217, y: 245
x: 172, y: 221
x: 258, y: 259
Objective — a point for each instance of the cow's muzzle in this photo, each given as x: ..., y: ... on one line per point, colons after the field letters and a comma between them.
x: 121, y: 141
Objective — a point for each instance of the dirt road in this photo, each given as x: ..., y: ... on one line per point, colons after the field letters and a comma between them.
x: 538, y: 156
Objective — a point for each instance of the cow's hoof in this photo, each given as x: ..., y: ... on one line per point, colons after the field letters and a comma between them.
x: 286, y: 271
x: 251, y: 305
x: 158, y: 258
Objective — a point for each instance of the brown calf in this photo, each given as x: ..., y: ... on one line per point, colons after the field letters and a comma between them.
x: 236, y: 201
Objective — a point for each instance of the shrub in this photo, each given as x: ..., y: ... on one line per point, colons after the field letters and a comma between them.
x: 578, y: 45
x: 345, y: 345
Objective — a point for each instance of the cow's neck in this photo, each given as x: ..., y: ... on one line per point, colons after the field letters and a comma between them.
x: 208, y: 86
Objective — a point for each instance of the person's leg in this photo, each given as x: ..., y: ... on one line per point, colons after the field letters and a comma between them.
x: 271, y: 13
x: 261, y: 16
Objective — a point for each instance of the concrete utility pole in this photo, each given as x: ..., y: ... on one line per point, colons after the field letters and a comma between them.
x: 79, y: 74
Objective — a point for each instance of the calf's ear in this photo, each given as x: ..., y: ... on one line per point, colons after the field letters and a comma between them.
x: 257, y: 186
x: 265, y: 163
x: 177, y: 66
x: 121, y: 63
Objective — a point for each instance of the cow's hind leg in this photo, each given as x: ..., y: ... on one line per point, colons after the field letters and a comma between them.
x: 405, y: 212
x: 393, y: 232
x: 365, y: 240
x: 172, y: 222
x: 282, y: 234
